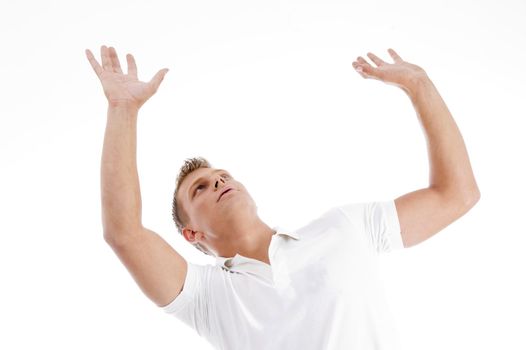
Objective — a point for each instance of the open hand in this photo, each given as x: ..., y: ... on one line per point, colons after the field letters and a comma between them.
x: 122, y: 88
x: 400, y: 73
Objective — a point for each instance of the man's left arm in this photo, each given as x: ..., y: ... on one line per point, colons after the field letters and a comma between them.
x: 452, y: 189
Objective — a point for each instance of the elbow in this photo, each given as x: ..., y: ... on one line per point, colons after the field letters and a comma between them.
x: 477, y: 196
x: 107, y: 234
x: 469, y: 195
x: 119, y: 238
x: 473, y: 198
x: 109, y: 238
x: 115, y: 233
x: 116, y: 242
x: 464, y: 195
x: 112, y: 238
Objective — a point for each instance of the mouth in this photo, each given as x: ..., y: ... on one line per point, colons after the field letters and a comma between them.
x: 224, y: 192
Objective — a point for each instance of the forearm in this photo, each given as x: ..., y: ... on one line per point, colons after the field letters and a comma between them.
x: 450, y: 168
x: 120, y: 191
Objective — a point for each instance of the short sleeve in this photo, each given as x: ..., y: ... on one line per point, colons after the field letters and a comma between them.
x: 191, y: 305
x: 378, y: 221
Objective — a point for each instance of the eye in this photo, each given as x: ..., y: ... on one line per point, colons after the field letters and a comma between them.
x: 198, y: 187
x: 224, y: 175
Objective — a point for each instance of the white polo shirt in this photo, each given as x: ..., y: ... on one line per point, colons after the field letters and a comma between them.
x: 320, y: 291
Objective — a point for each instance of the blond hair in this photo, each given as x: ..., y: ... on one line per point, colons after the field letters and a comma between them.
x: 179, y: 215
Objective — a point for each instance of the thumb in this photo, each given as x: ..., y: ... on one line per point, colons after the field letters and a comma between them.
x: 158, y: 78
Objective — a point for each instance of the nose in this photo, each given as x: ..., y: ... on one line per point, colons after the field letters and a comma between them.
x: 217, y: 183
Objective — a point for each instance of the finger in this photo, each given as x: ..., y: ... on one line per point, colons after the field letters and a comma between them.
x: 158, y: 78
x: 361, y: 68
x: 132, y: 67
x: 94, y: 64
x: 361, y: 73
x: 364, y: 68
x: 115, y: 60
x: 379, y: 62
x: 364, y: 64
x: 106, y: 59
x: 358, y: 67
x: 395, y: 56
x: 362, y: 61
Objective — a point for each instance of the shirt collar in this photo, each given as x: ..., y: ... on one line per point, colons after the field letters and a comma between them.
x: 239, y: 262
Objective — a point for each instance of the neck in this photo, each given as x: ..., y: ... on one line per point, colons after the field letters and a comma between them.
x: 250, y: 239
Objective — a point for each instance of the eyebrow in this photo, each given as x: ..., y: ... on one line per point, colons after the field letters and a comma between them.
x: 202, y: 178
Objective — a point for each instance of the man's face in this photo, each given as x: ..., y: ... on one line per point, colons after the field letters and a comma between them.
x: 211, y: 212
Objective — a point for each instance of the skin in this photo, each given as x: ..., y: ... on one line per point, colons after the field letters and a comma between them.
x: 232, y: 225
x: 228, y: 226
x: 123, y: 90
x: 401, y: 73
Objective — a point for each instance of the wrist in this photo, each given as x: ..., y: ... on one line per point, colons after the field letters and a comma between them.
x: 123, y: 104
x: 122, y: 111
x: 417, y: 83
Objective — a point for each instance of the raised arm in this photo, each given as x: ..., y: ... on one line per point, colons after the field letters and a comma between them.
x: 156, y: 267
x: 452, y: 189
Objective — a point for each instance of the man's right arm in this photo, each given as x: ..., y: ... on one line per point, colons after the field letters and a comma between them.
x: 155, y: 266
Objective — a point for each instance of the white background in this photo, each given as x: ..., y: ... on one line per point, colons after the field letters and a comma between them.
x: 265, y: 90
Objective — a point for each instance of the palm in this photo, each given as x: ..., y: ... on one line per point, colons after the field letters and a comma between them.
x: 400, y: 73
x: 119, y: 87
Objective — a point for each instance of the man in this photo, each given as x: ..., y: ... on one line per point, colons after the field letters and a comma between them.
x: 274, y: 288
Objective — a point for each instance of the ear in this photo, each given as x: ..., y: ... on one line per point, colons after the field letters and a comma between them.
x: 190, y: 234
